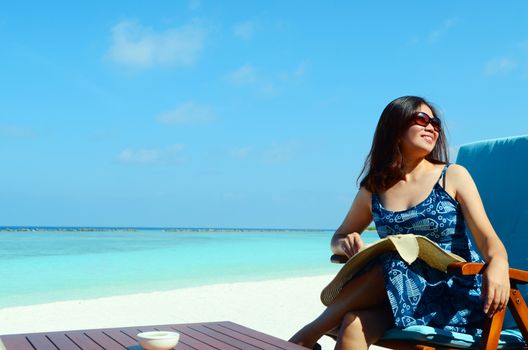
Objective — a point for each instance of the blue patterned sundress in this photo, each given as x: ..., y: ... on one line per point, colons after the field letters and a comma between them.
x: 419, y: 294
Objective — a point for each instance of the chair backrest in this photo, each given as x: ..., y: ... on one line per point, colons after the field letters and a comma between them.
x: 500, y: 170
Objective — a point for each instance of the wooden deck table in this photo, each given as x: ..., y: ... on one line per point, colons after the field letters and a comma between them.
x: 207, y: 336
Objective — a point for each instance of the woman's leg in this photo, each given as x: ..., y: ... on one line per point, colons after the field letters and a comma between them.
x: 363, y: 292
x: 362, y: 328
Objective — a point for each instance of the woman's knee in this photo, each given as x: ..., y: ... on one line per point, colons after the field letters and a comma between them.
x: 364, y: 291
x: 366, y: 325
x: 351, y: 333
x: 351, y: 323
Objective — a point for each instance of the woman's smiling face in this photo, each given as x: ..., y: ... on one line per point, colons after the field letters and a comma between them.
x: 420, y: 139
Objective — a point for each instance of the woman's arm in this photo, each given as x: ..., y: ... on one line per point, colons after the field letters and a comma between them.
x: 346, y: 240
x: 496, y: 284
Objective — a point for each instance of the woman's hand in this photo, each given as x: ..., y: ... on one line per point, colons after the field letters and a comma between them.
x: 495, y: 286
x: 351, y: 244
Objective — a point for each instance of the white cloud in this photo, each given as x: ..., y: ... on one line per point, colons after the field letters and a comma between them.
x: 297, y: 72
x: 280, y: 153
x: 195, y: 4
x: 187, y: 113
x: 414, y: 40
x: 137, y: 46
x: 142, y: 156
x: 240, y: 153
x: 170, y: 155
x: 442, y: 31
x: 498, y: 66
x: 234, y: 196
x: 16, y: 131
x: 272, y: 154
x: 523, y: 45
x: 244, y: 30
x: 434, y: 35
x: 268, y: 84
x: 245, y: 75
x: 300, y: 70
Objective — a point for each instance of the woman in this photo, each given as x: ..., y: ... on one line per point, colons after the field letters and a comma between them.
x: 409, y: 187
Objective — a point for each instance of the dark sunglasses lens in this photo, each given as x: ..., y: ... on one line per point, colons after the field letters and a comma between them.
x: 437, y: 125
x: 421, y: 120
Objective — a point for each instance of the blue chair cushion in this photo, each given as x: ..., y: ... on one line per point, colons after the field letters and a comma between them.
x: 510, y: 338
x: 499, y: 168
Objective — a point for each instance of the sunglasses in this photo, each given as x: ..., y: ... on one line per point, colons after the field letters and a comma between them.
x: 423, y: 119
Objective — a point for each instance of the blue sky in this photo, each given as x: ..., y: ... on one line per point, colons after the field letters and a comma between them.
x: 235, y: 113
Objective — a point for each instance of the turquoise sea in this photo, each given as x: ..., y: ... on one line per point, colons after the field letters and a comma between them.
x: 52, y: 265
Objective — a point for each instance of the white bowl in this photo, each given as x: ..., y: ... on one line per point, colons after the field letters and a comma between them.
x: 158, y: 340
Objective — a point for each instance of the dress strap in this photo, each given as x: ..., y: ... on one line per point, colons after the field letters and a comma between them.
x: 442, y: 175
x: 374, y: 199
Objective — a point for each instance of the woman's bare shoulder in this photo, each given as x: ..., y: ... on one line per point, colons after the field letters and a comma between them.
x: 364, y: 193
x: 364, y: 197
x: 457, y: 171
x: 458, y: 176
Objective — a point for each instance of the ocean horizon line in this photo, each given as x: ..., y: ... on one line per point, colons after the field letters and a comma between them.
x: 164, y: 229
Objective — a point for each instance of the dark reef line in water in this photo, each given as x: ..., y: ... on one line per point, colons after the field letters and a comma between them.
x: 163, y: 229
x: 136, y: 229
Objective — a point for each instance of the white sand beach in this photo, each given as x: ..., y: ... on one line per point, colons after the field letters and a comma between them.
x: 277, y: 307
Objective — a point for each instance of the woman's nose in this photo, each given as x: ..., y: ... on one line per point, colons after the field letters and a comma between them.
x: 429, y: 127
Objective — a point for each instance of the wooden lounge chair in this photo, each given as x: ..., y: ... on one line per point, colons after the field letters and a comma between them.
x: 499, y: 168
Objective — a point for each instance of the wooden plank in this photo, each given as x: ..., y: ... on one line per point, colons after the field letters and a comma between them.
x: 281, y: 344
x: 243, y: 337
x: 81, y: 340
x: 131, y: 332
x: 40, y: 341
x: 194, y: 336
x: 16, y: 342
x: 61, y: 341
x: 189, y: 341
x: 212, y: 342
x: 492, y: 330
x: 519, y: 310
x: 103, y: 340
x: 118, y: 336
x: 202, y: 328
x: 183, y: 346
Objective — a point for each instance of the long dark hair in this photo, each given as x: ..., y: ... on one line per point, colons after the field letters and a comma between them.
x: 384, y: 164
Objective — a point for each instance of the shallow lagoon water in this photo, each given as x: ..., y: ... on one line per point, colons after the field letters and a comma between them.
x: 47, y: 266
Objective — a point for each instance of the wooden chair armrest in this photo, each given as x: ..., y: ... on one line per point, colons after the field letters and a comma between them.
x: 460, y: 268
x: 465, y: 268
x: 518, y: 276
x: 338, y: 259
